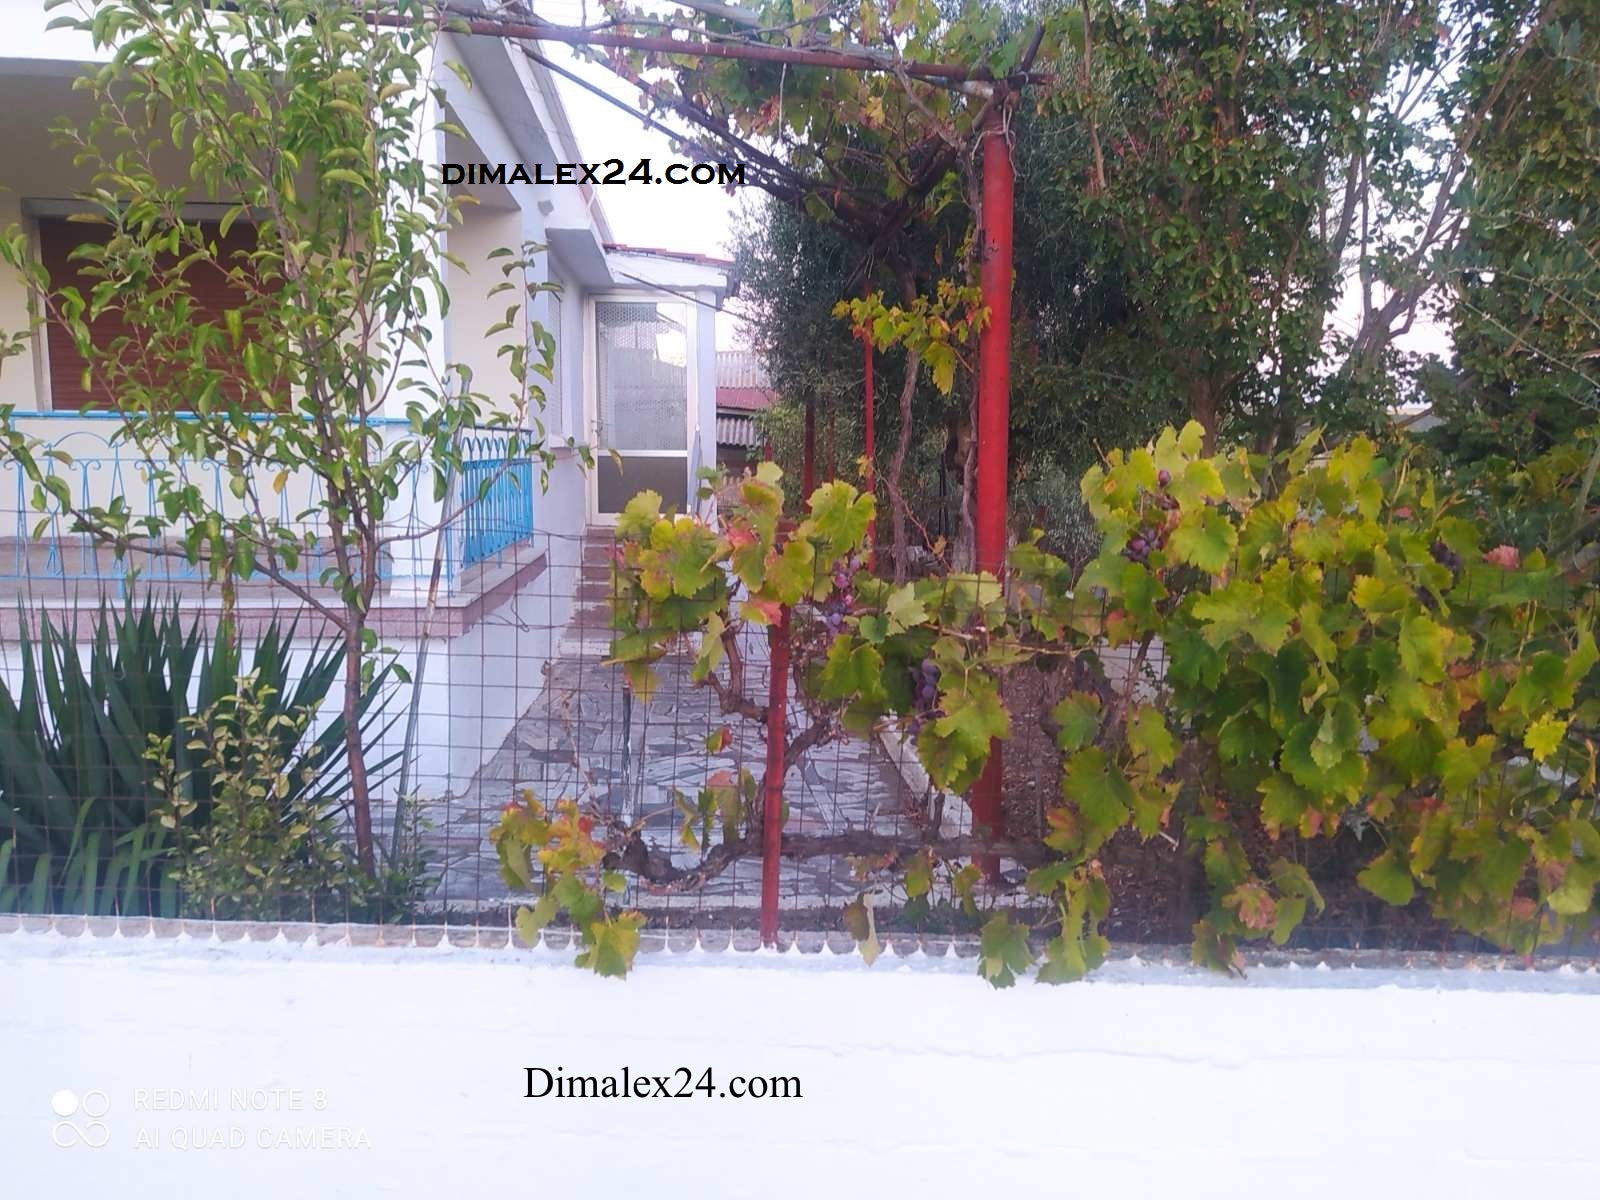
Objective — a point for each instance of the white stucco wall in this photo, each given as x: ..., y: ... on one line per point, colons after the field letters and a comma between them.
x: 916, y: 1078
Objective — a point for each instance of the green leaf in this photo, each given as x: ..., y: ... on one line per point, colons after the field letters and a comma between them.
x: 859, y: 921
x: 1204, y: 539
x: 711, y: 649
x: 531, y: 920
x: 1422, y: 649
x: 1077, y: 717
x: 1376, y: 598
x: 1103, y: 798
x: 902, y: 610
x: 1459, y: 764
x: 839, y: 516
x: 1282, y: 803
x: 616, y: 943
x: 1003, y: 951
x: 959, y: 741
x: 850, y: 669
x: 1149, y: 737
x: 344, y: 175
x: 1387, y: 878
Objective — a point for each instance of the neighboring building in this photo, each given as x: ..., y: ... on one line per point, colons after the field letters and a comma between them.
x: 742, y: 391
x: 635, y: 378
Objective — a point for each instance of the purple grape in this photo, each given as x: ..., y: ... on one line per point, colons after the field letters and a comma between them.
x: 1163, y: 477
x: 841, y: 580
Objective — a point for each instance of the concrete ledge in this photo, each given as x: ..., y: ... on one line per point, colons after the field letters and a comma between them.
x: 75, y: 605
x: 96, y: 934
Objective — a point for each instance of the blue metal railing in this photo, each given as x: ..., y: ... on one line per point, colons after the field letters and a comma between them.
x: 500, y: 499
x: 100, y: 468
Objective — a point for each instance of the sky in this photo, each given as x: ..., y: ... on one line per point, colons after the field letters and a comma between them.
x: 701, y: 218
x: 665, y: 216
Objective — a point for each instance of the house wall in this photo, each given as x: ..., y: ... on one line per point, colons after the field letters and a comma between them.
x: 1147, y: 1081
x: 468, y: 691
x: 476, y: 685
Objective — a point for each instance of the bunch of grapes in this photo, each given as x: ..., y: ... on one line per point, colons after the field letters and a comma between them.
x: 1446, y: 557
x: 1139, y: 546
x: 842, y: 597
x: 1165, y: 500
x: 926, y: 680
x: 1151, y: 538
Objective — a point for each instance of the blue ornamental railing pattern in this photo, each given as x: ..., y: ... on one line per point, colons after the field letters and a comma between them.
x: 101, y: 468
x: 499, y: 499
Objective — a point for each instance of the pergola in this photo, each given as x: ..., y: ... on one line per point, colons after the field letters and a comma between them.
x: 992, y: 425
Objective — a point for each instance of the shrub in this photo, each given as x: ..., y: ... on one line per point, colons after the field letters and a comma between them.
x: 78, y: 803
x: 1346, y: 650
x: 271, y: 848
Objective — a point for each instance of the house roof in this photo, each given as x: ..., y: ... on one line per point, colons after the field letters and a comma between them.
x: 708, y: 260
x: 742, y: 384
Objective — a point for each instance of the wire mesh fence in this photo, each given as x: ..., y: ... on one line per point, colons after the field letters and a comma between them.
x: 139, y: 777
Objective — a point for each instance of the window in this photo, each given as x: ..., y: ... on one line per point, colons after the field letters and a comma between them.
x: 210, y: 293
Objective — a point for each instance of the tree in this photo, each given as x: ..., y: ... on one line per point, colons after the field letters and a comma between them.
x: 862, y: 117
x: 1073, y: 388
x: 301, y: 116
x: 1525, y: 307
x: 1253, y: 170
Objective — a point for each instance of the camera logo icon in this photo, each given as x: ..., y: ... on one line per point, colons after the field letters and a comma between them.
x: 78, y: 1119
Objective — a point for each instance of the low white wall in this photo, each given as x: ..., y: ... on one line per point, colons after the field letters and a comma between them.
x: 409, y: 1067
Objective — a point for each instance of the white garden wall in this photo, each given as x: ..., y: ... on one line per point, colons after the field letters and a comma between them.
x: 917, y: 1079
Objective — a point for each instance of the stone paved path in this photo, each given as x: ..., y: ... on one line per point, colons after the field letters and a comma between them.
x: 583, y: 738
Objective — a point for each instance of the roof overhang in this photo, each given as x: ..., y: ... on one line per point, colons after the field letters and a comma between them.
x: 670, y: 271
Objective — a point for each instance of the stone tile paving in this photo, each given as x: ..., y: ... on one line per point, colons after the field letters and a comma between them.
x: 584, y: 738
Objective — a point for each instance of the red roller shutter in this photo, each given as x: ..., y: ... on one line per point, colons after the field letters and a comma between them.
x: 211, y: 294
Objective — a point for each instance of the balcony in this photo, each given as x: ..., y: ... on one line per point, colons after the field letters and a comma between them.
x: 486, y: 545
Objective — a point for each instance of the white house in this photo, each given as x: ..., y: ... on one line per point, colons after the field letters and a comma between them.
x: 635, y: 379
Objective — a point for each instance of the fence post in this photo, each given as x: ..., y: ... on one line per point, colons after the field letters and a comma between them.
x: 994, y: 422
x: 772, y: 789
x: 871, y: 481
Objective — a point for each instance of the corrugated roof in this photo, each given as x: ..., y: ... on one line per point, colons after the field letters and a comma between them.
x: 744, y: 399
x: 736, y: 430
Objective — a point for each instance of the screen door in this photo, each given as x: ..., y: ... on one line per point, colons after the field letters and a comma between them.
x: 641, y: 403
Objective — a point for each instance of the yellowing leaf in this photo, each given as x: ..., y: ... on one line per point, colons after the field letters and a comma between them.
x: 1204, y: 539
x: 1544, y: 736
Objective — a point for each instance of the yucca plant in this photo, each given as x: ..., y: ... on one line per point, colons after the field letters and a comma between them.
x: 79, y: 830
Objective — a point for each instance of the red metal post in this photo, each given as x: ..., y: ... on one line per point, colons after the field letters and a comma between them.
x: 833, y: 463
x: 772, y: 790
x: 872, y: 526
x: 808, y: 453
x: 994, y: 407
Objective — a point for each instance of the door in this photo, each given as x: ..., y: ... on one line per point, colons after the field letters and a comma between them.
x: 642, y: 377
